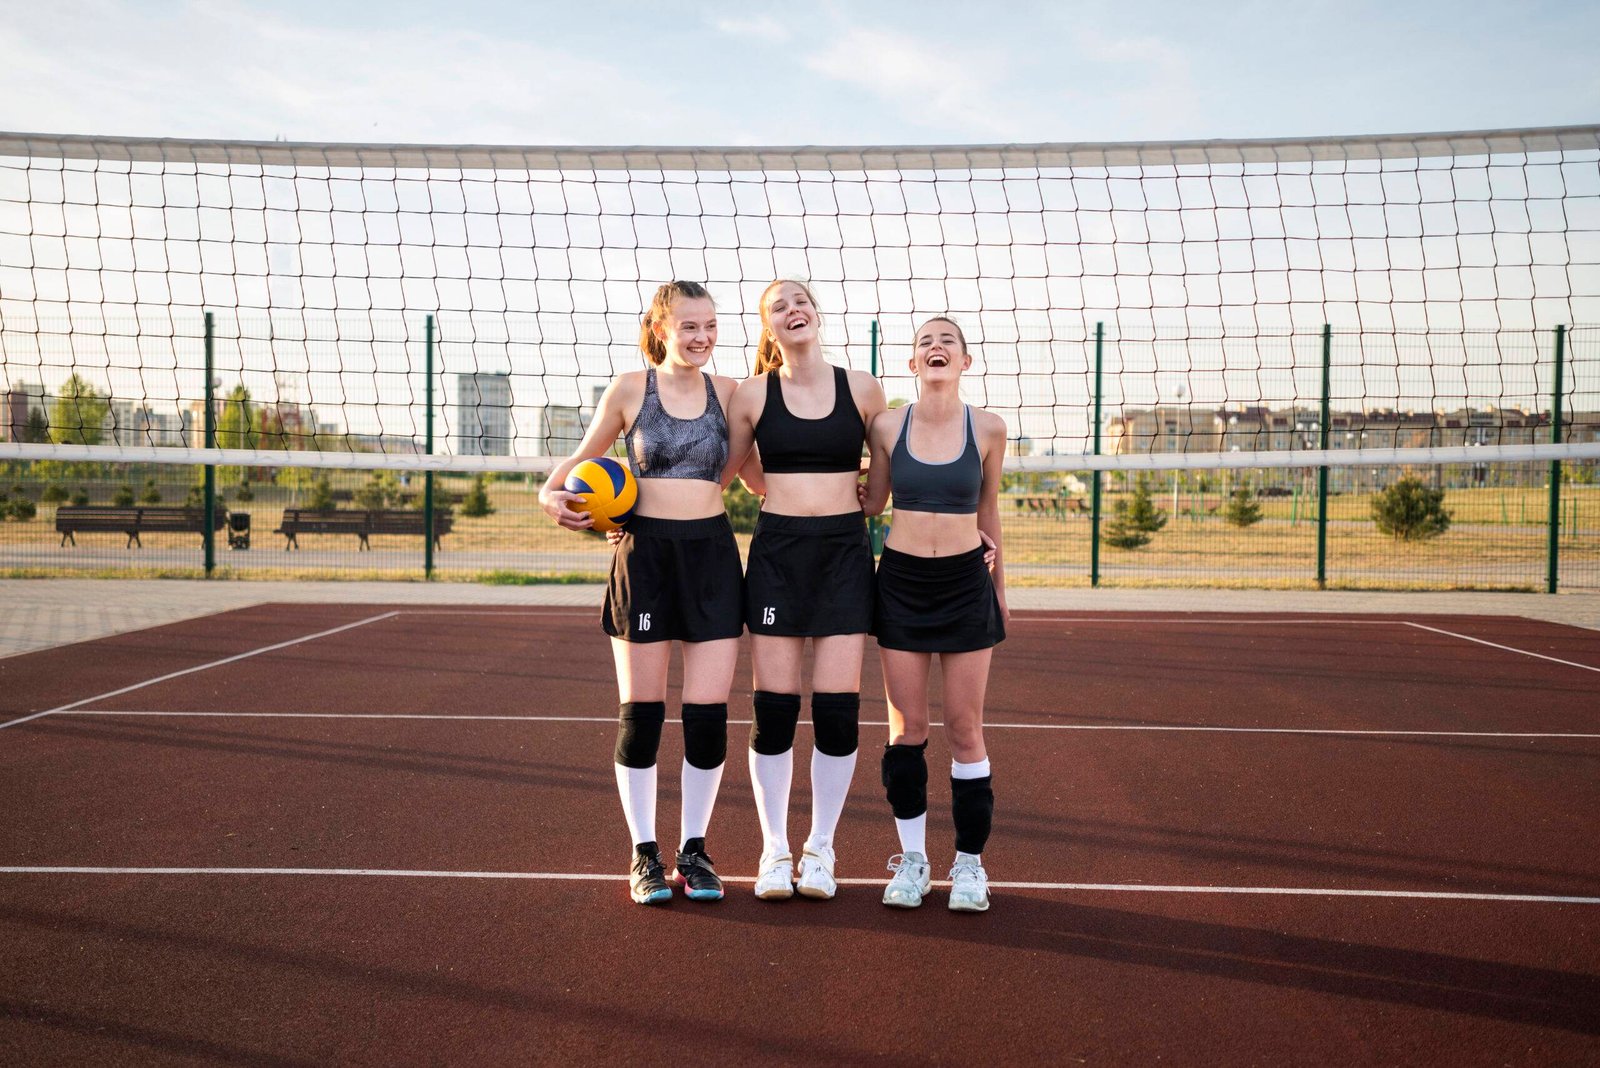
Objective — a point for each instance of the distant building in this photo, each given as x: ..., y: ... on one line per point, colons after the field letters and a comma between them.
x: 483, y: 415
x: 133, y: 423
x: 559, y: 429
x: 19, y: 400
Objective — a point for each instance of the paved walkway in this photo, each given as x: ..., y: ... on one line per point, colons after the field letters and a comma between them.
x: 42, y: 613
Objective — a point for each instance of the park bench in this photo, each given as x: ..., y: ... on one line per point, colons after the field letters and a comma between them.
x: 133, y: 520
x: 363, y: 523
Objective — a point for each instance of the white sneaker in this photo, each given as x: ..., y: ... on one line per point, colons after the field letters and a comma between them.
x: 816, y: 873
x: 969, y: 885
x: 911, y: 880
x: 776, y: 880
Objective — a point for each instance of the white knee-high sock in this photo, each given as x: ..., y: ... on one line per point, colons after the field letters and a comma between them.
x: 772, y: 774
x: 638, y: 789
x: 830, y: 785
x: 700, y: 787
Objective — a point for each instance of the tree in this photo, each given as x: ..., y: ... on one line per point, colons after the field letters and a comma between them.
x: 151, y: 494
x: 54, y: 493
x: 1122, y: 533
x: 476, y: 502
x: 237, y: 428
x: 37, y: 430
x: 381, y: 490
x: 321, y: 499
x: 1243, y: 508
x: 79, y: 415
x: 1410, y: 511
x: 123, y: 497
x: 1143, y: 514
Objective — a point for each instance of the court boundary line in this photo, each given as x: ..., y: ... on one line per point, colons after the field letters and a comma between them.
x: 201, y: 667
x: 1497, y: 645
x: 1147, y: 888
x: 432, y: 716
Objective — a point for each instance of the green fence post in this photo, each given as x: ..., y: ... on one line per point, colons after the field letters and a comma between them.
x: 209, y: 538
x: 1094, y: 493
x: 875, y: 524
x: 1322, y: 471
x: 427, y: 477
x: 1554, y: 565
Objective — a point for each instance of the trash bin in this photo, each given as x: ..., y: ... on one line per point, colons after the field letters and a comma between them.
x: 238, y: 530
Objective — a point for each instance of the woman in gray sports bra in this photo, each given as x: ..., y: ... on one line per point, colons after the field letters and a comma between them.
x: 941, y: 459
x: 675, y: 576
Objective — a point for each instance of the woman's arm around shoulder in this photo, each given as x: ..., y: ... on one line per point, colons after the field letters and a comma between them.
x: 990, y: 430
x: 743, y: 412
x: 622, y: 396
x: 881, y: 436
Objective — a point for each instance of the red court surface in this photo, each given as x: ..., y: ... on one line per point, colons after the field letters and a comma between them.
x: 347, y: 833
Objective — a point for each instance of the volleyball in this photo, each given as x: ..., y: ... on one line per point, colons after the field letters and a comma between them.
x: 608, y: 491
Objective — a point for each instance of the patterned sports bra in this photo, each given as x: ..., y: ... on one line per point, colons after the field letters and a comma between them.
x: 660, y: 445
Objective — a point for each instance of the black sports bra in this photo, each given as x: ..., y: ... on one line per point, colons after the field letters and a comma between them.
x: 791, y: 445
x: 952, y: 487
x: 660, y: 445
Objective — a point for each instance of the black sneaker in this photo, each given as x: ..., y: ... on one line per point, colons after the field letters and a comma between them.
x: 648, y: 881
x: 695, y: 873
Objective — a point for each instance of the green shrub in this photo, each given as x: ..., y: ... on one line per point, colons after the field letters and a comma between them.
x: 151, y: 494
x: 123, y: 497
x: 21, y: 509
x: 321, y: 499
x: 476, y: 502
x: 1410, y: 511
x: 81, y: 497
x: 381, y: 490
x: 244, y: 492
x: 54, y: 493
x: 1243, y: 508
x: 1142, y: 514
x: 743, y: 507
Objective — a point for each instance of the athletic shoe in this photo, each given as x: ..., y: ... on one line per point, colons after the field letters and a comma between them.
x: 776, y: 880
x: 648, y: 882
x: 816, y: 873
x: 911, y: 880
x: 969, y: 885
x: 695, y: 873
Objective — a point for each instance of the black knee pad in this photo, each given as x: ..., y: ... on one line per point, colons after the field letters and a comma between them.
x: 972, y: 807
x: 836, y: 719
x: 776, y: 715
x: 639, y: 732
x: 705, y: 735
x: 905, y: 779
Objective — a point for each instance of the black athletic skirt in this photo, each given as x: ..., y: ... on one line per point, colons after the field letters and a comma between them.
x: 936, y: 604
x: 675, y: 580
x: 809, y: 576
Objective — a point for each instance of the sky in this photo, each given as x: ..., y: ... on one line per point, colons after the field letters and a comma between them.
x: 599, y: 72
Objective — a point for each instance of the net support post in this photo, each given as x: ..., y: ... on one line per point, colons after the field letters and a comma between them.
x: 209, y: 535
x: 1553, y: 557
x: 1325, y: 417
x: 427, y: 448
x: 1094, y: 482
x: 875, y: 524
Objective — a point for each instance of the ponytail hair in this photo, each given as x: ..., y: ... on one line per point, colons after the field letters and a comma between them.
x: 768, y: 356
x: 660, y: 307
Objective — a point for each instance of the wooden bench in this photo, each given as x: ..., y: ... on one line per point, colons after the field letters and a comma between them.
x: 363, y: 523
x: 74, y: 519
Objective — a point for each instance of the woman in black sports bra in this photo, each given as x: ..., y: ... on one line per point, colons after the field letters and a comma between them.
x: 942, y: 459
x: 675, y: 576
x: 809, y: 575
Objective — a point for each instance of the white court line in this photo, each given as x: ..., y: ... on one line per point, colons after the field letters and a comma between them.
x: 864, y: 723
x: 1497, y: 645
x: 201, y: 667
x: 1144, y: 888
x: 552, y: 611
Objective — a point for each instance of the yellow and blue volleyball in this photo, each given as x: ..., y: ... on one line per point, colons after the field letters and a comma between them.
x: 608, y: 491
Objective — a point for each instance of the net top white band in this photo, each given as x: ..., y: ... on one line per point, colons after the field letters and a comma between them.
x: 804, y: 158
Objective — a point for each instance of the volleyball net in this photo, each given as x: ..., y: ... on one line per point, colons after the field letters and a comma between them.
x: 1194, y: 314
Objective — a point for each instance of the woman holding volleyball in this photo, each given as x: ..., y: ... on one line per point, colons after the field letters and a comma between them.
x: 942, y: 459
x: 809, y: 575
x: 675, y: 576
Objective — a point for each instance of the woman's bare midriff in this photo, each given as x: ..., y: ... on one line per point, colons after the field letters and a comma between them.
x: 811, y: 493
x: 679, y: 498
x: 932, y: 533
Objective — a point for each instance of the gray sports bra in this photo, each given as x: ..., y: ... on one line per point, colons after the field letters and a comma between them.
x: 952, y: 487
x: 660, y: 445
